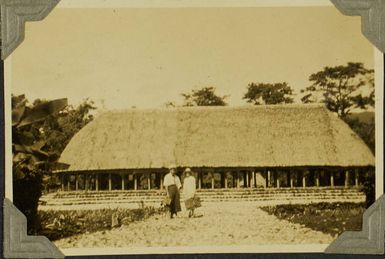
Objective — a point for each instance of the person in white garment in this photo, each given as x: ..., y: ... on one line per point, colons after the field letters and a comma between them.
x: 189, y: 189
x: 172, y: 185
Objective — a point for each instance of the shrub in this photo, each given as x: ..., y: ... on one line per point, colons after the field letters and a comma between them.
x: 330, y: 218
x: 368, y: 187
x: 60, y: 224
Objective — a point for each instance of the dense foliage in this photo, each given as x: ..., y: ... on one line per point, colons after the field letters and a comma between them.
x: 30, y: 161
x: 204, y: 97
x: 61, y: 224
x: 36, y: 147
x: 263, y: 93
x: 330, y: 218
x: 368, y: 187
x: 58, y: 130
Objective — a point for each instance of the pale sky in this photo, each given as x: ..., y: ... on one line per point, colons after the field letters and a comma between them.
x: 147, y: 57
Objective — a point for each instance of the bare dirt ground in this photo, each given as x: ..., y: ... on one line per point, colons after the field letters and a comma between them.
x: 226, y: 223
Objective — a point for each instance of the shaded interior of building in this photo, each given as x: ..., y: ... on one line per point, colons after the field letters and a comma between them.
x: 214, y: 178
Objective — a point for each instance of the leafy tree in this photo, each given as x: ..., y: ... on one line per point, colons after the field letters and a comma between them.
x: 341, y: 88
x: 58, y: 130
x: 40, y: 133
x: 265, y: 93
x: 29, y: 159
x: 204, y: 97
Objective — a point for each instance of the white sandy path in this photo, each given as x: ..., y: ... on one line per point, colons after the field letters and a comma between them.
x: 226, y: 223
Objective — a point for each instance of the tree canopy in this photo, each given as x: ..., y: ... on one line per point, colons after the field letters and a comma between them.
x: 341, y: 88
x: 58, y: 130
x: 266, y: 93
x: 204, y: 97
x: 29, y: 157
x: 40, y: 132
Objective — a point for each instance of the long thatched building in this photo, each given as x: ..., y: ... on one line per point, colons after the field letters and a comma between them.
x: 243, y: 147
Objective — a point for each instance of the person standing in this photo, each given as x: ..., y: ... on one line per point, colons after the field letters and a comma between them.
x: 189, y: 189
x: 172, y: 185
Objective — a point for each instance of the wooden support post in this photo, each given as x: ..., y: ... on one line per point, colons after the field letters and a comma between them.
x: 266, y: 182
x: 346, y: 179
x: 149, y: 181
x: 277, y: 182
x: 135, y: 182
x: 212, y: 180
x: 238, y: 184
x: 254, y: 180
x: 97, y: 182
x: 317, y: 178
x: 233, y: 179
x: 200, y: 180
x: 303, y: 179
x: 356, y: 177
x: 62, y: 182
x: 288, y: 178
x: 268, y: 178
x: 86, y: 182
x: 109, y: 182
x: 225, y: 180
x: 265, y: 177
x: 222, y: 180
x: 161, y: 181
x: 246, y: 176
x: 332, y: 179
x: 123, y: 182
x: 291, y: 179
x: 322, y: 175
x: 69, y: 182
x: 76, y: 183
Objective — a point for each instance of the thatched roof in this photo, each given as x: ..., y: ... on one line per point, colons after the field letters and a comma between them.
x: 252, y: 136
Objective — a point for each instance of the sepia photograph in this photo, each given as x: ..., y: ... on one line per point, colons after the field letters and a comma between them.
x: 195, y: 128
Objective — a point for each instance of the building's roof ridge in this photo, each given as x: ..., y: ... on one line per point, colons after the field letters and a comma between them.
x: 226, y: 107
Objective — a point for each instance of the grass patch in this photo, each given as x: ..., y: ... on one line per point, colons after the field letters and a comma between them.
x: 60, y: 224
x: 329, y: 218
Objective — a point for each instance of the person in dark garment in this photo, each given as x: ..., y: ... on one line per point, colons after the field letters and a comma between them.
x: 172, y: 185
